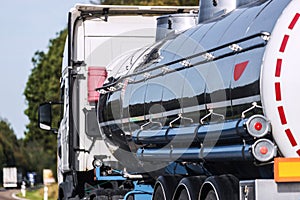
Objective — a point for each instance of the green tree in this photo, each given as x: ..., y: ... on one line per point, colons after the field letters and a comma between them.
x: 8, y: 144
x: 43, y: 85
x: 12, y: 151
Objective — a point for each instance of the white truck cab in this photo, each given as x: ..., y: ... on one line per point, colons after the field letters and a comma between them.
x: 96, y: 36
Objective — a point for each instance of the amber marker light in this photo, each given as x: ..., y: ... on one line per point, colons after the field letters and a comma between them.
x: 287, y: 169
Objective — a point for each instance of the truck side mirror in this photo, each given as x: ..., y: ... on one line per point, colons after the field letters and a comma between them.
x: 45, y: 116
x: 45, y: 113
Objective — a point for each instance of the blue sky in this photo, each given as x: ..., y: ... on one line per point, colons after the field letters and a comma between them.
x: 26, y: 26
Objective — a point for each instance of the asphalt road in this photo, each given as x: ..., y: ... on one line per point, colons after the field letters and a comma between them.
x: 8, y: 194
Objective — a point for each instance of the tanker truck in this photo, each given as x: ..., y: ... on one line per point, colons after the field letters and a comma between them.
x: 211, y: 112
x: 96, y: 35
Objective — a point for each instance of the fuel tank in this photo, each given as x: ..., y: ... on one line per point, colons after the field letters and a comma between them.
x: 189, y: 97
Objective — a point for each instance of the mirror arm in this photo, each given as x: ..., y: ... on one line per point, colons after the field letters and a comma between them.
x: 54, y: 131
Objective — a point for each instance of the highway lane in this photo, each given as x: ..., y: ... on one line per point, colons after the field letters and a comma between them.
x: 8, y: 194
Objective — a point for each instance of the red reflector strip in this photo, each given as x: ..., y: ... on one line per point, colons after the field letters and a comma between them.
x: 298, y: 152
x: 291, y: 137
x: 284, y: 43
x: 294, y: 21
x: 282, y: 115
x: 278, y: 67
x: 278, y: 91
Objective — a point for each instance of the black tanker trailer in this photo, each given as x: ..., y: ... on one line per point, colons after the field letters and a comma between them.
x: 208, y: 109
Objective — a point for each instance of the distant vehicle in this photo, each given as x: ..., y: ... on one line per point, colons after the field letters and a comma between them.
x: 11, y: 177
x: 31, y: 176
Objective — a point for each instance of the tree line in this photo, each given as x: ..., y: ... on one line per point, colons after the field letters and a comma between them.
x: 37, y: 150
x: 17, y: 153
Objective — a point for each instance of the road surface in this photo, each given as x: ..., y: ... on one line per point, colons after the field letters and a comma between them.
x: 8, y: 194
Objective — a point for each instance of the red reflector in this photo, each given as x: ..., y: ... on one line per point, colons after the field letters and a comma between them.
x: 258, y: 126
x: 263, y: 150
x: 239, y: 70
x: 96, y: 78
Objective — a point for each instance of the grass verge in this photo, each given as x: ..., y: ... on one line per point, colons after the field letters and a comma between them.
x: 38, y: 194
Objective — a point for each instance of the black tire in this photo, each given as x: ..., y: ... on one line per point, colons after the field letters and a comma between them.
x: 183, y: 195
x: 158, y: 193
x: 189, y: 187
x: 60, y: 194
x: 211, y: 195
x: 224, y: 187
x: 165, y: 187
x: 130, y: 197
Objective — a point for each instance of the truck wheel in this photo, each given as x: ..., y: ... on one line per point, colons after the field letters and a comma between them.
x: 224, y: 187
x: 130, y: 197
x: 164, y: 187
x: 188, y: 188
x: 61, y: 195
x: 158, y: 193
x: 211, y: 195
x: 183, y: 195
